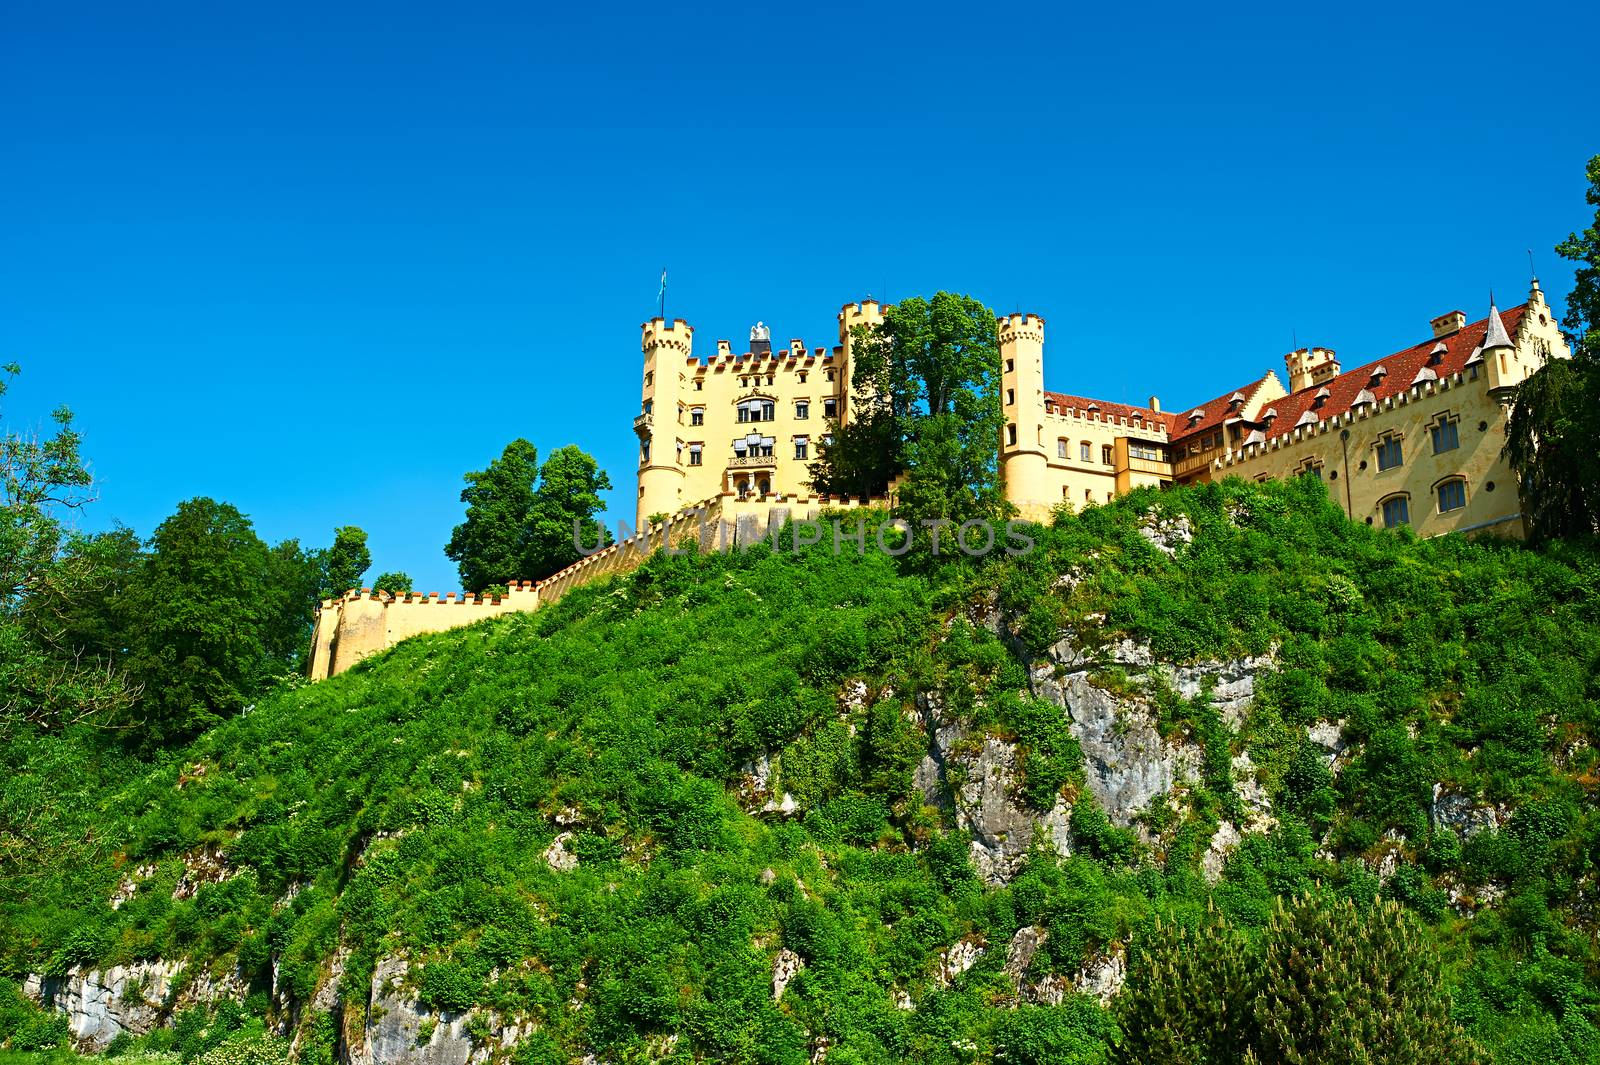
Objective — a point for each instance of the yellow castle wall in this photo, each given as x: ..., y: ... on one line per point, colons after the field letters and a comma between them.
x: 677, y: 385
x: 1480, y: 407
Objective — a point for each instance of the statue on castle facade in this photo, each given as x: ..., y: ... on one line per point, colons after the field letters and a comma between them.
x: 759, y: 331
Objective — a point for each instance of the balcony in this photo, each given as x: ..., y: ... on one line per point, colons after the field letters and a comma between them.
x: 1151, y: 466
x: 644, y: 424
x: 753, y: 462
x: 1192, y: 463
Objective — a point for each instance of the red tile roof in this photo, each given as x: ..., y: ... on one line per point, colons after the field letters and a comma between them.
x: 1064, y: 403
x: 1401, y: 370
x: 1216, y: 411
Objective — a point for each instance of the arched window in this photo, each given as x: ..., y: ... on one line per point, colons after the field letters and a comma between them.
x: 1396, y: 511
x: 1452, y: 495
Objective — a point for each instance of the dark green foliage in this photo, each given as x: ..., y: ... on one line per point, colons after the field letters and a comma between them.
x: 926, y: 402
x: 1326, y: 983
x: 345, y: 561
x: 395, y: 583
x: 1553, y: 436
x: 520, y: 516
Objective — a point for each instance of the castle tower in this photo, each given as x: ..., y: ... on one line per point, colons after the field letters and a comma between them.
x: 865, y: 313
x: 667, y: 349
x: 1023, y: 462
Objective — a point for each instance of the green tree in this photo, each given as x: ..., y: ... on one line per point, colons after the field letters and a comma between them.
x: 927, y: 402
x: 1338, y: 984
x: 489, y: 546
x: 1328, y: 983
x: 345, y: 561
x: 520, y: 516
x: 46, y: 680
x: 394, y: 582
x: 1553, y: 435
x: 202, y: 613
x: 563, y: 512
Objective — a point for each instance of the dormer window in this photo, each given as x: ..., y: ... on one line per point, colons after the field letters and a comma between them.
x: 1268, y: 415
x: 1436, y: 356
x: 1320, y: 398
x: 1195, y: 416
x: 1378, y: 374
x: 1236, y: 401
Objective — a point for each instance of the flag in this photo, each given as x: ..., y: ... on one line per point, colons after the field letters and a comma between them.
x: 663, y: 291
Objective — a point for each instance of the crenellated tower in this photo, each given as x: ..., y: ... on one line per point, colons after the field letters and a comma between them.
x: 668, y: 349
x: 1023, y: 461
x: 851, y: 315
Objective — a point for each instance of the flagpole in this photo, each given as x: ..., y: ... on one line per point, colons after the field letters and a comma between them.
x: 663, y: 295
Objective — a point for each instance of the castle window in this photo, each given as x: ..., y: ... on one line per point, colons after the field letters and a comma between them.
x: 1085, y: 449
x: 1146, y: 452
x: 649, y: 378
x: 802, y: 376
x: 1446, y: 435
x: 1311, y: 467
x: 1472, y: 372
x: 694, y: 454
x: 1389, y: 455
x: 1011, y: 366
x: 1088, y: 495
x: 1396, y: 511
x: 1011, y: 435
x: 644, y: 452
x: 1061, y: 449
x: 1011, y: 396
x: 830, y: 408
x: 1452, y: 495
x: 802, y: 409
x: 697, y: 416
x: 1105, y: 454
x: 649, y: 406
x: 699, y: 385
x: 800, y: 447
x: 829, y: 375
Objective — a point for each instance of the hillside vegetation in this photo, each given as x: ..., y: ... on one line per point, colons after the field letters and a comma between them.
x: 557, y: 819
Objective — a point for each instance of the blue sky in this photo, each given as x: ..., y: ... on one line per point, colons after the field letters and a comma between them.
x: 320, y: 263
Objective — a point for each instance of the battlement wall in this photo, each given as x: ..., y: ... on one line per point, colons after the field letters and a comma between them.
x: 363, y: 622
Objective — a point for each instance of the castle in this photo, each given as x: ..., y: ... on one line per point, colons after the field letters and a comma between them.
x: 725, y: 445
x: 1413, y: 438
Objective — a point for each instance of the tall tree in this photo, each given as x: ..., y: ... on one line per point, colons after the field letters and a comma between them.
x: 44, y: 679
x: 489, y: 546
x: 927, y: 402
x: 1553, y: 435
x: 203, y: 612
x: 346, y: 560
x: 563, y: 512
x: 520, y: 516
x: 1326, y: 984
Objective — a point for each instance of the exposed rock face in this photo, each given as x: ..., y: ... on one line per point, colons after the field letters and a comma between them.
x: 101, y: 1004
x: 557, y: 857
x: 755, y: 788
x: 1103, y: 977
x: 957, y: 959
x: 1465, y: 816
x: 784, y: 968
x: 1127, y: 763
x: 1167, y: 535
x: 1019, y: 954
x: 397, y: 1023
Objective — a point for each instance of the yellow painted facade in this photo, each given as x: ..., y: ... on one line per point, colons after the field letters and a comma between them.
x: 744, y: 425
x: 1428, y: 453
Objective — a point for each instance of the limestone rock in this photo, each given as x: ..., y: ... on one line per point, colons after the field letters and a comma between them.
x: 1463, y: 815
x: 1019, y: 954
x: 557, y: 856
x: 784, y: 968
x: 957, y: 959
